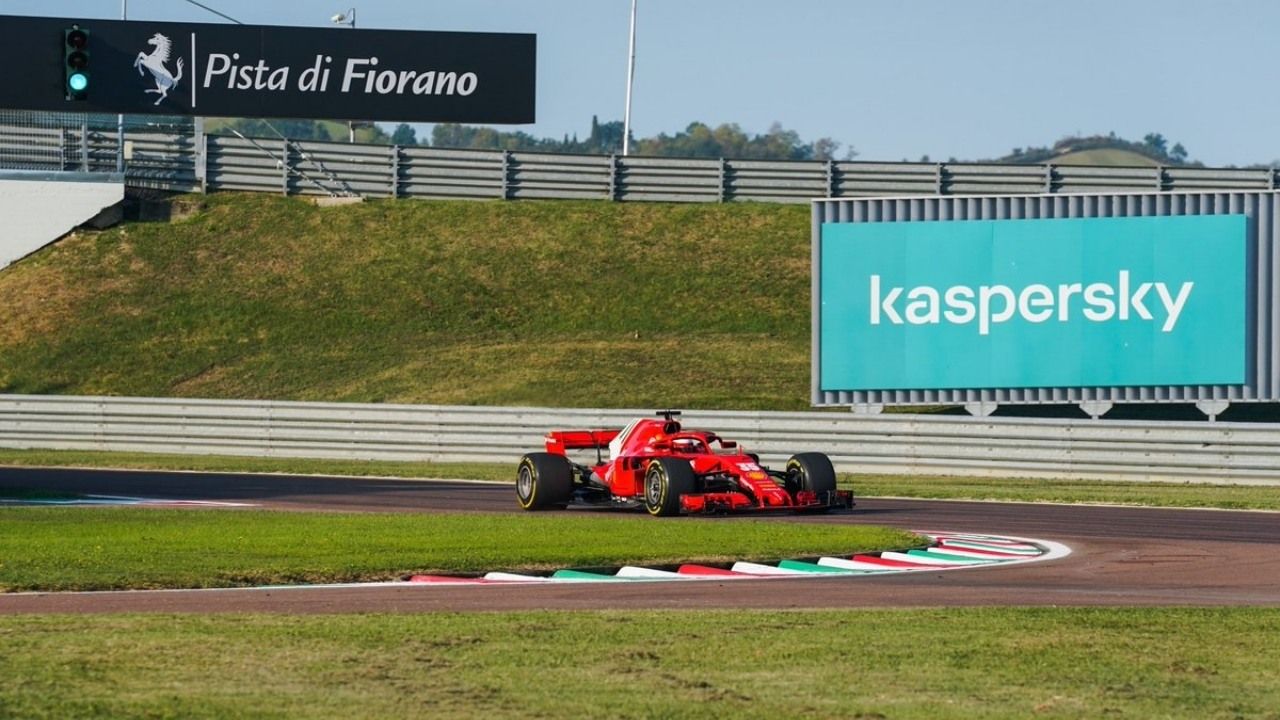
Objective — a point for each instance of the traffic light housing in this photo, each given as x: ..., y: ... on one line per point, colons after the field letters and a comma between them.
x: 75, y: 62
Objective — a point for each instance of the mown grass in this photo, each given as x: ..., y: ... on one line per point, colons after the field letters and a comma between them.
x: 1155, y: 494
x: 930, y: 664
x: 530, y: 303
x: 45, y: 548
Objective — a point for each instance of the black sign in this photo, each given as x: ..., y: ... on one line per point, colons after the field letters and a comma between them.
x: 263, y: 71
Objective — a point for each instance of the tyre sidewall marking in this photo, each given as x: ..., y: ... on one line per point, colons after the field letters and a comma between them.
x: 656, y: 507
x: 533, y: 485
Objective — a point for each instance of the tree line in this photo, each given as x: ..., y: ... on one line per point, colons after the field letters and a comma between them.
x: 697, y: 140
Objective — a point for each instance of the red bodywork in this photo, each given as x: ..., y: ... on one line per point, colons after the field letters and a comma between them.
x: 735, y: 480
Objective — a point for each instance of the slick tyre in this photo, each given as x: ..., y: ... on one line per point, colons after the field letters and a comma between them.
x: 665, y: 480
x: 544, y: 481
x: 811, y: 471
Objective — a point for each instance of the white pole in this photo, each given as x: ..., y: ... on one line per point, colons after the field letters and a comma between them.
x: 351, y: 125
x: 631, y: 74
x: 124, y: 15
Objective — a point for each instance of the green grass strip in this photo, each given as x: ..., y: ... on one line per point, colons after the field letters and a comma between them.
x: 58, y: 548
x: 1155, y: 494
x: 233, y: 464
x: 920, y: 664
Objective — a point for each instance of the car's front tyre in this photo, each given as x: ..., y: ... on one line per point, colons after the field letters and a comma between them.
x: 811, y: 471
x: 665, y: 480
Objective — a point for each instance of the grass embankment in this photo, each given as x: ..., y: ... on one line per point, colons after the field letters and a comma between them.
x: 115, y: 548
x: 1105, y: 157
x: 1156, y: 494
x: 533, y: 303
x: 988, y: 663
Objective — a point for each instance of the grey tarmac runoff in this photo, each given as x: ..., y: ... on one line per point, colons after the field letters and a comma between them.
x: 1120, y: 555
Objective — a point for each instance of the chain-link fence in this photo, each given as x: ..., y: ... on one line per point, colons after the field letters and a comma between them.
x: 85, y: 142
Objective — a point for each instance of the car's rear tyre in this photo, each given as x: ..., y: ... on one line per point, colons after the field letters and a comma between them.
x: 665, y: 480
x: 811, y: 471
x: 544, y: 481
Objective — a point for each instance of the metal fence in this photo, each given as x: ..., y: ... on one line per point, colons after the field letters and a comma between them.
x: 175, y: 154
x: 155, y: 151
x: 940, y: 445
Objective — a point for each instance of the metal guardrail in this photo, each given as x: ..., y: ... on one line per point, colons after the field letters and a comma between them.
x: 186, y: 161
x: 939, y: 445
x: 164, y: 161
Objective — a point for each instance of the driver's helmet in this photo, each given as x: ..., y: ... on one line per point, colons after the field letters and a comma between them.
x: 686, y: 445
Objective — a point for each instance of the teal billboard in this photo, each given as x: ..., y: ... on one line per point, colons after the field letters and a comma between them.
x: 1081, y: 302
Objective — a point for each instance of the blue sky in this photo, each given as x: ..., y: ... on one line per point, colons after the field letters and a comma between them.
x: 893, y: 78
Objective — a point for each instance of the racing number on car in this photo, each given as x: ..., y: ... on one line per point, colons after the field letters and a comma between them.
x: 748, y: 467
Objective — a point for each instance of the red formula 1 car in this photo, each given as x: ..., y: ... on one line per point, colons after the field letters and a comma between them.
x: 658, y: 465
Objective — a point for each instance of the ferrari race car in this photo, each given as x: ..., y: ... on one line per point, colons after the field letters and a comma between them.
x: 660, y: 466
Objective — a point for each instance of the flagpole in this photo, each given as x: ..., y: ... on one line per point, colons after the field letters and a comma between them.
x: 631, y: 74
x: 124, y: 15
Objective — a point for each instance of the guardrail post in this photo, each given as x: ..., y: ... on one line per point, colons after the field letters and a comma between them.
x: 723, y: 180
x: 202, y: 162
x: 1048, y: 178
x: 284, y: 167
x: 84, y: 145
x: 1160, y: 178
x: 201, y: 159
x: 613, y: 177
x: 939, y: 178
x: 395, y: 171
x: 506, y: 175
x: 831, y: 178
x: 1272, y: 174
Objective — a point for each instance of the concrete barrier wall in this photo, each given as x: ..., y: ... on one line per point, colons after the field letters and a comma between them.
x: 37, y: 208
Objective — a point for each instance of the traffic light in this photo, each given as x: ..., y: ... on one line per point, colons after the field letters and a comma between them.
x: 75, y: 55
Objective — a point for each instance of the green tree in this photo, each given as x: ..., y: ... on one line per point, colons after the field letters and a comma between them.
x: 404, y: 135
x: 257, y: 127
x: 1157, y: 143
x: 698, y: 139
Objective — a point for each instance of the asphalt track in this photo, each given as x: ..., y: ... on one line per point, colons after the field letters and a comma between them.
x: 1121, y: 556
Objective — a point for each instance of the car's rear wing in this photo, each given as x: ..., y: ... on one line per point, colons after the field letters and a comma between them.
x: 558, y: 441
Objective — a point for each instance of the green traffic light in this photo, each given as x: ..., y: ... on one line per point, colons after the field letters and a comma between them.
x: 75, y: 62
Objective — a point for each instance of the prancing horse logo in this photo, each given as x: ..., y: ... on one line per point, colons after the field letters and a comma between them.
x: 165, y: 81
